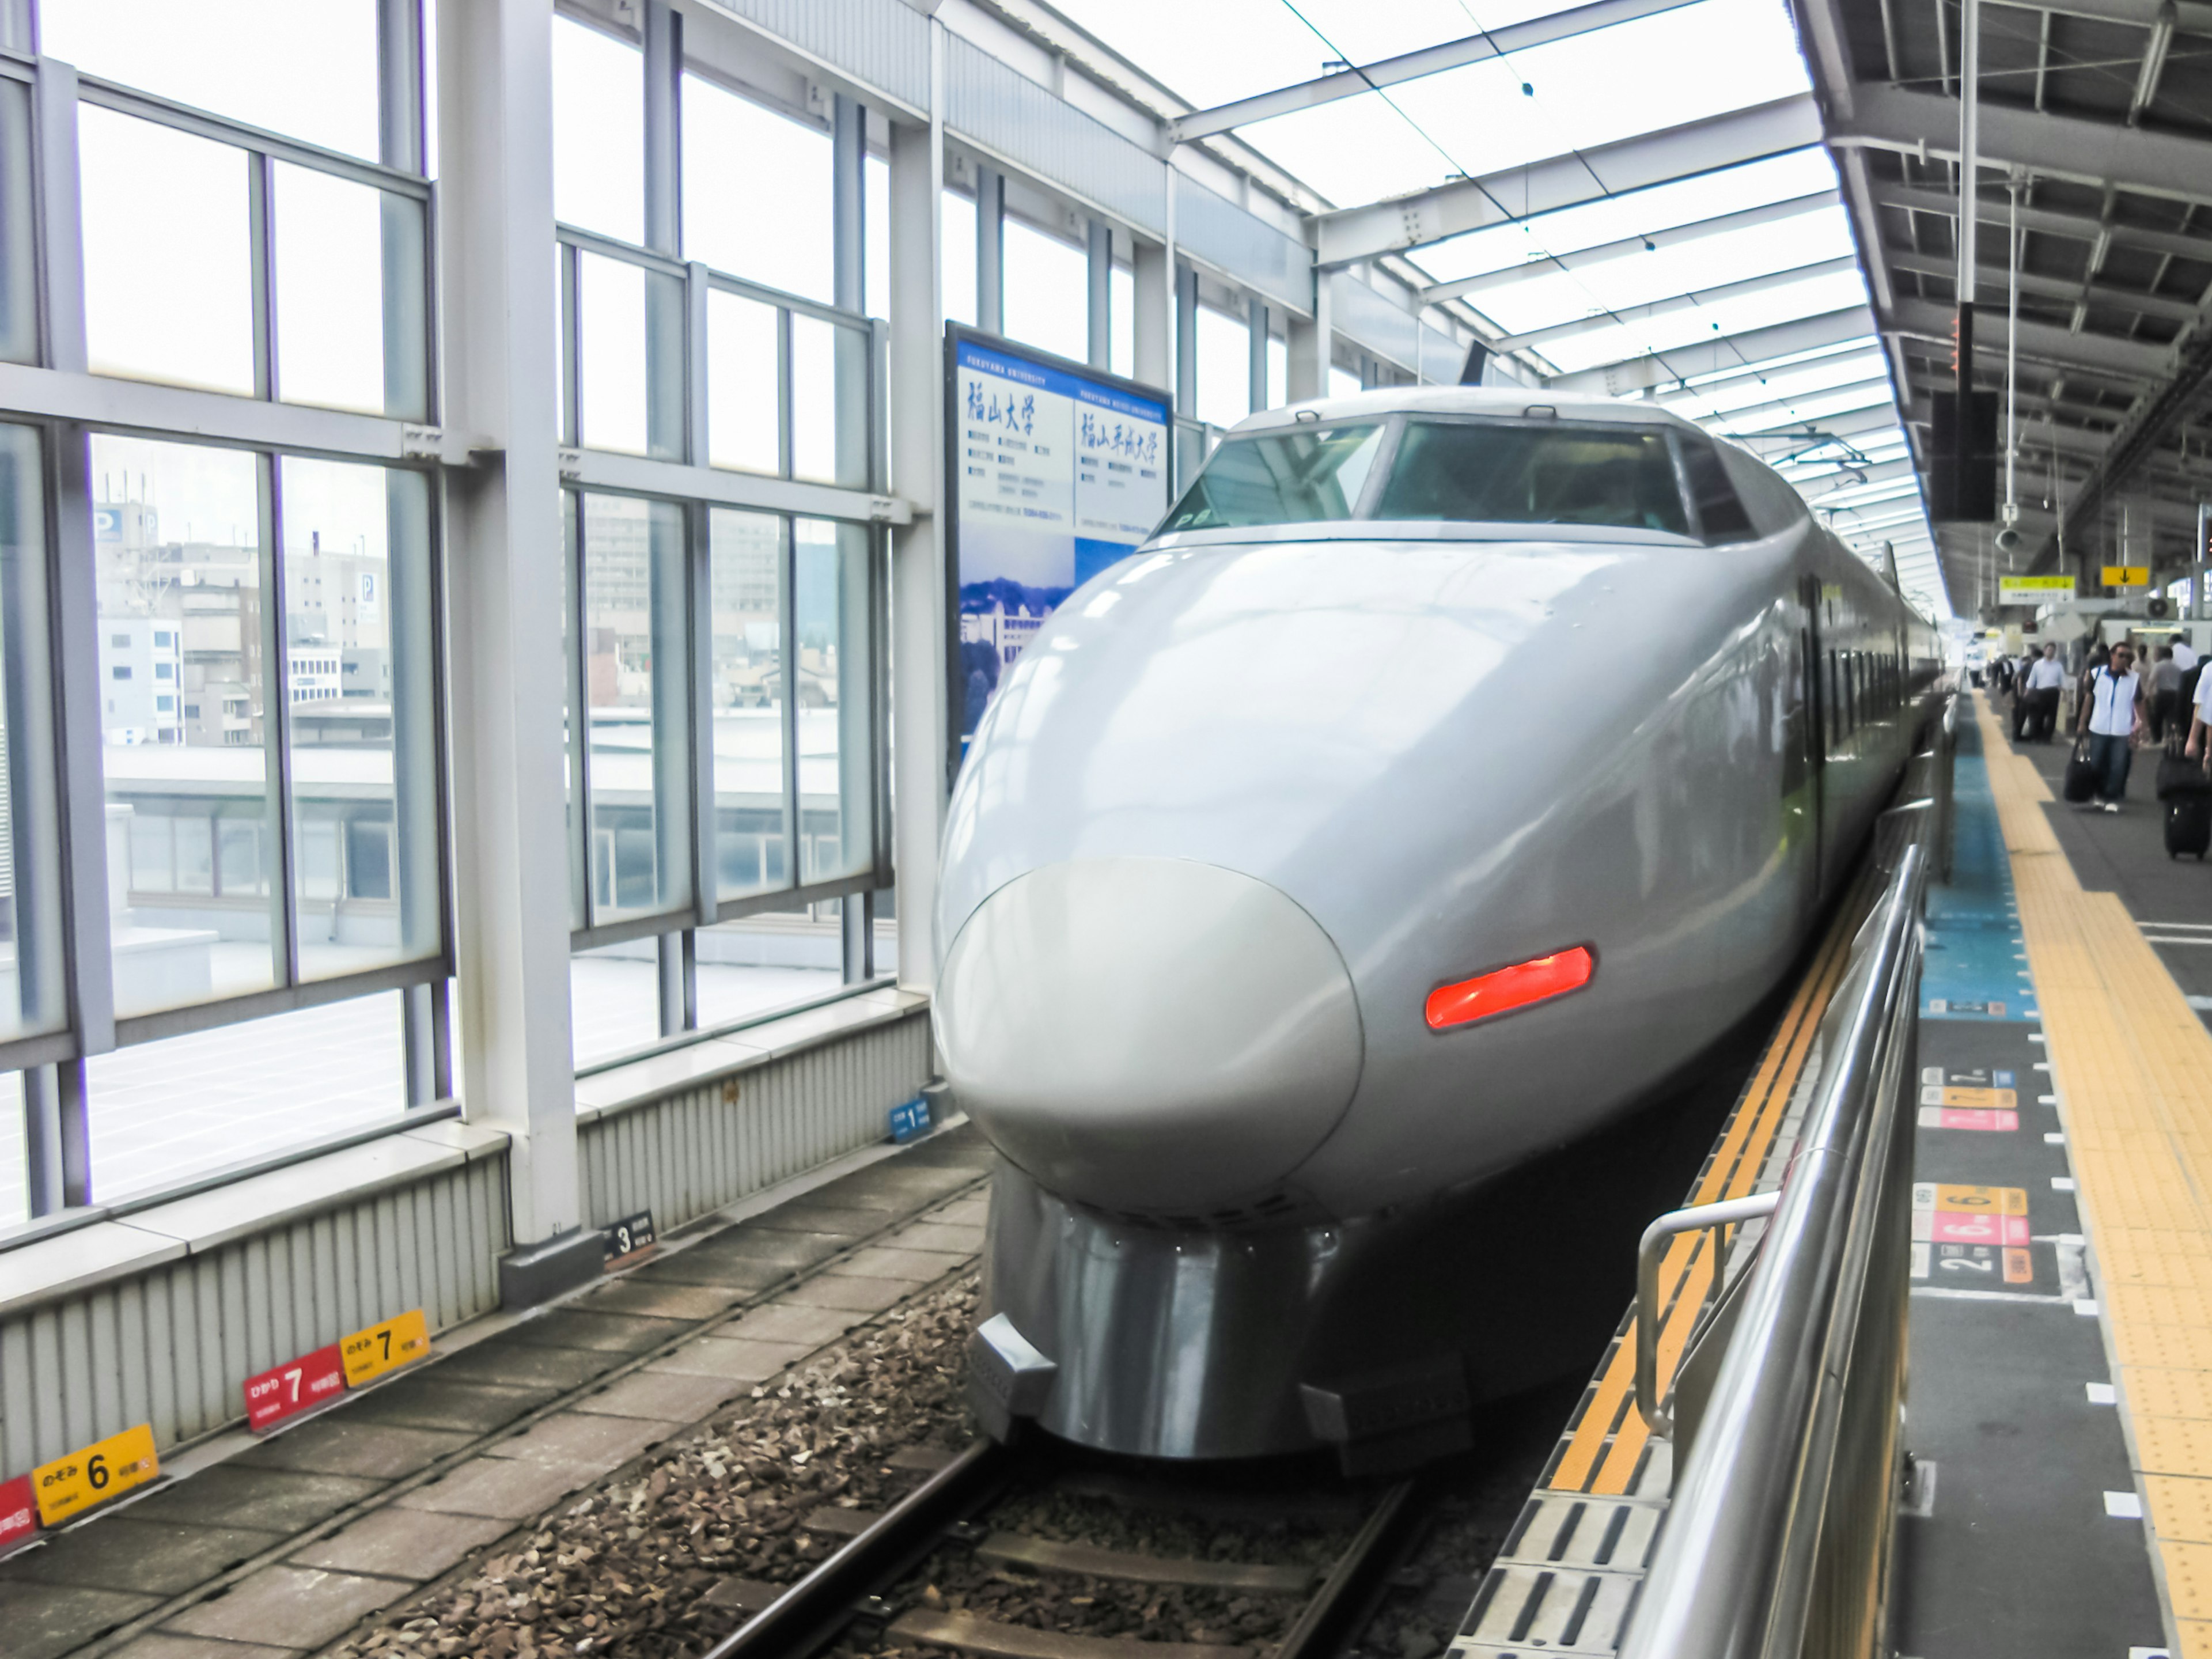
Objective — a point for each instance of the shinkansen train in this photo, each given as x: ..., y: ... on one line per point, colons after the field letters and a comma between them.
x: 1332, y: 878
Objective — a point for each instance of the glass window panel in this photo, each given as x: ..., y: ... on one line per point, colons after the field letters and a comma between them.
x: 19, y: 274
x: 612, y: 370
x: 1047, y: 292
x: 162, y: 1113
x: 15, y: 1166
x: 1225, y: 368
x: 957, y: 259
x: 307, y: 72
x: 31, y: 971
x: 638, y: 690
x: 332, y: 240
x: 167, y: 259
x: 356, y: 563
x: 598, y: 133
x: 830, y: 583
x: 742, y: 419
x: 877, y: 210
x: 1311, y: 475
x: 746, y: 571
x: 757, y: 191
x: 829, y: 403
x: 177, y: 551
x: 1490, y: 472
x: 614, y: 1000
x: 754, y: 966
x: 1279, y: 373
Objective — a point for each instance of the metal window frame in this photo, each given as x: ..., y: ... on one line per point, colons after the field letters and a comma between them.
x: 67, y: 405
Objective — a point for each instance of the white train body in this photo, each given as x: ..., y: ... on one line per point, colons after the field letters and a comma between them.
x: 1254, y: 794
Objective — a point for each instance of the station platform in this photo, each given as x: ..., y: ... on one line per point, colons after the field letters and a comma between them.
x: 2059, y: 1416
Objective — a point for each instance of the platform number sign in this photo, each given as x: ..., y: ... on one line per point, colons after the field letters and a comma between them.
x: 910, y: 1118
x: 284, y: 1391
x: 632, y: 1234
x: 19, y: 1511
x: 93, y: 1475
x: 385, y: 1347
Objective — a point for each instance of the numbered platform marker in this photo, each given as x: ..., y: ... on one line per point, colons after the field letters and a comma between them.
x: 1967, y: 1117
x: 631, y: 1235
x: 301, y: 1385
x: 1999, y: 1099
x: 399, y: 1341
x: 910, y: 1118
x: 19, y: 1511
x: 108, y: 1469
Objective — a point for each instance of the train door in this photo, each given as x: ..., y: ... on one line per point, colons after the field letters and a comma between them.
x: 1812, y: 745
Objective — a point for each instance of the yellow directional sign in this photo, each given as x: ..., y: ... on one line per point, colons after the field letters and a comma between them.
x: 385, y: 1347
x: 2126, y: 575
x: 93, y: 1475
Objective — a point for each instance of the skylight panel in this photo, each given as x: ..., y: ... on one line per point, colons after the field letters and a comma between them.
x: 1759, y: 392
x: 1547, y: 296
x: 1814, y: 406
x: 1211, y: 54
x: 1633, y: 213
x: 1684, y: 332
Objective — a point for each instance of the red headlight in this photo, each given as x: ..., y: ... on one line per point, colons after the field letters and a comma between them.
x: 1510, y: 987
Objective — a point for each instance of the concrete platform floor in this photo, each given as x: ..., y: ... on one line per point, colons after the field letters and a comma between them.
x: 272, y: 1548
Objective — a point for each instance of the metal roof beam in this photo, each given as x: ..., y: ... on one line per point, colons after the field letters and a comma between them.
x: 1847, y: 478
x: 2043, y: 222
x: 1753, y: 346
x: 1875, y: 415
x: 1990, y: 278
x: 1350, y: 83
x: 1627, y: 246
x: 2096, y: 354
x: 2190, y: 16
x: 1926, y: 124
x: 1349, y: 234
x: 1536, y: 339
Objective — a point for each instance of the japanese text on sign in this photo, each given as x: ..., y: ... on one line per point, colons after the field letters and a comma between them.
x: 385, y: 1347
x: 630, y: 1234
x: 93, y: 1475
x: 299, y: 1385
x: 19, y: 1510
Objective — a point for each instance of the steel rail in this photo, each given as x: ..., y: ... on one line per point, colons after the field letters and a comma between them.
x: 1815, y: 1361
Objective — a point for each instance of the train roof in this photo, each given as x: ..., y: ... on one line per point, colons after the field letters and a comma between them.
x: 1508, y: 401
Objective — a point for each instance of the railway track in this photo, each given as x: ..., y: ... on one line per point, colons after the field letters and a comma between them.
x: 1004, y: 1553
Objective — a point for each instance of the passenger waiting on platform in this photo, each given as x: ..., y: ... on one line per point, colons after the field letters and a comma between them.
x: 2112, y: 714
x: 2192, y: 670
x: 2164, y: 694
x: 2045, y: 680
x: 2201, y: 720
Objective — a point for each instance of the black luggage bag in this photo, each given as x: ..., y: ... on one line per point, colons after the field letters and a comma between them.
x: 2080, y: 776
x: 2023, y: 709
x: 2188, y: 824
x: 2178, y: 776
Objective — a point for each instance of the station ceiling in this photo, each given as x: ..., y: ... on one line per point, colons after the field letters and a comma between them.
x: 1749, y: 216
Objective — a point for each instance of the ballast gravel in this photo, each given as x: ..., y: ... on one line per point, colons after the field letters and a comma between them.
x: 626, y: 1571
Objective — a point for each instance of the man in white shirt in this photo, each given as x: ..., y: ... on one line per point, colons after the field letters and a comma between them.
x: 2045, y: 682
x: 2184, y: 654
x: 2112, y: 714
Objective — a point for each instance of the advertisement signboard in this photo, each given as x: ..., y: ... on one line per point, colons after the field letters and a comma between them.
x: 1055, y: 471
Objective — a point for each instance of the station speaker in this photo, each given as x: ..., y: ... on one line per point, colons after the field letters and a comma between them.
x: 2158, y: 607
x: 1962, y: 489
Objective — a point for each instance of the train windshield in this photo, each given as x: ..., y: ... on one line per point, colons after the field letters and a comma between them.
x: 1494, y: 473
x: 1302, y: 475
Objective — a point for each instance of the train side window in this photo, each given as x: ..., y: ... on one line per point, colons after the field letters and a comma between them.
x: 1720, y: 515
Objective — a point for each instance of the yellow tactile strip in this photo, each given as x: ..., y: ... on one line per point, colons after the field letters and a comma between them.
x: 2133, y: 1067
x: 1602, y: 1453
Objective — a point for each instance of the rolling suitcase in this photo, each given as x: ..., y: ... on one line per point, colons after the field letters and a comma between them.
x: 2178, y: 776
x: 2188, y: 825
x: 2080, y: 776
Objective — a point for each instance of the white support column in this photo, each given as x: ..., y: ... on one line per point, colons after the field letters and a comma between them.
x: 1255, y: 322
x: 921, y: 760
x: 1152, y: 326
x: 505, y: 667
x: 1186, y: 316
x: 1100, y: 343
x: 1309, y: 346
x: 990, y: 250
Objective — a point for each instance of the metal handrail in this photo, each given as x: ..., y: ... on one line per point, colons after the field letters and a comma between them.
x: 1777, y: 1541
x: 1650, y: 1253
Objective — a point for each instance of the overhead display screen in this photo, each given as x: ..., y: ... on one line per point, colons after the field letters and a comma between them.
x: 1057, y: 470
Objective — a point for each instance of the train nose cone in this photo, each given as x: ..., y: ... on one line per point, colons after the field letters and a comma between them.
x: 1148, y: 1034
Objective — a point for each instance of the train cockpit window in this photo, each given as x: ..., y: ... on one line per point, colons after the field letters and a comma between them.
x: 1306, y: 475
x: 1720, y: 515
x: 1497, y: 472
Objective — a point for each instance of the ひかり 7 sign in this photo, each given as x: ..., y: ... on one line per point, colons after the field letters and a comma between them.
x: 300, y: 1385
